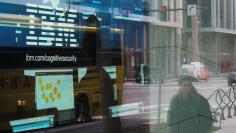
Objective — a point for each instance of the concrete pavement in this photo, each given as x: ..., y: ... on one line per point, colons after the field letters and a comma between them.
x: 228, y: 126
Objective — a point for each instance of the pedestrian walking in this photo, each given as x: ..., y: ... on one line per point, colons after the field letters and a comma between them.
x: 189, y: 112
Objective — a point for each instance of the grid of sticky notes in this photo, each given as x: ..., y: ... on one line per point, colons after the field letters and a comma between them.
x: 54, y: 91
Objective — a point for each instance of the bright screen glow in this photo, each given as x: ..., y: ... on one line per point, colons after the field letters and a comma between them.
x: 32, y: 123
x: 54, y: 91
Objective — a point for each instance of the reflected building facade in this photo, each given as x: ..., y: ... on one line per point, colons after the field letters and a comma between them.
x: 216, y: 34
x: 165, y: 35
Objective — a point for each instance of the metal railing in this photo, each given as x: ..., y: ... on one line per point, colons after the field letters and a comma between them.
x: 225, y: 103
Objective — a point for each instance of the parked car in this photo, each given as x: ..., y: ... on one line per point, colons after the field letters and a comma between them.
x: 232, y: 77
x: 196, y: 70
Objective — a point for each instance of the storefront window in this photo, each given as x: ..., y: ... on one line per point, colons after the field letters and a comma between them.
x: 117, y: 66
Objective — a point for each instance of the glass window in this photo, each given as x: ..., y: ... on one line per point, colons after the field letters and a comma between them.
x: 117, y: 66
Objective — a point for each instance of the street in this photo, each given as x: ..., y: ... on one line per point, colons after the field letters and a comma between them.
x: 135, y: 92
x: 148, y: 95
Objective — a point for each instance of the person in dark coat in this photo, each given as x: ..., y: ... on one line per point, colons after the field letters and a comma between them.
x: 189, y: 112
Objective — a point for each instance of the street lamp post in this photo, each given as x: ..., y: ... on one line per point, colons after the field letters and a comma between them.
x: 192, y: 12
x: 195, y: 45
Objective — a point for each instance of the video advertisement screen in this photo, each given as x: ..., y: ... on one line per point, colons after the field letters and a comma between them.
x: 38, y: 23
x: 51, y: 33
x: 54, y: 91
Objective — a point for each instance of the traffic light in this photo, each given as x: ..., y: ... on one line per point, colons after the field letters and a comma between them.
x: 163, y: 12
x: 163, y: 9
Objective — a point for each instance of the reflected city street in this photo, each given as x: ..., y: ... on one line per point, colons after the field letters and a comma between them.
x: 147, y: 121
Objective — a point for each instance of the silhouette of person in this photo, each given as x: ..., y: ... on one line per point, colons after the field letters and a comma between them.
x: 189, y: 112
x: 97, y: 57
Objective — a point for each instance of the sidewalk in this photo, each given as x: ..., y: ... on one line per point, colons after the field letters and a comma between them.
x: 176, y: 79
x: 228, y: 126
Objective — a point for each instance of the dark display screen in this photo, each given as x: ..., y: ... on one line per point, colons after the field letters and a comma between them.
x: 57, y: 28
x: 55, y: 23
x: 46, y: 26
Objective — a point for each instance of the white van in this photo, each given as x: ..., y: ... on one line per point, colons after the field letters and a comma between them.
x: 196, y: 70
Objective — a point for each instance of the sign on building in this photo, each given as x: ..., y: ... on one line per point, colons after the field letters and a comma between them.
x: 192, y: 10
x: 164, y: 3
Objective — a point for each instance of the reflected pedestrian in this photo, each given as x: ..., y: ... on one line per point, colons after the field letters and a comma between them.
x: 189, y: 112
